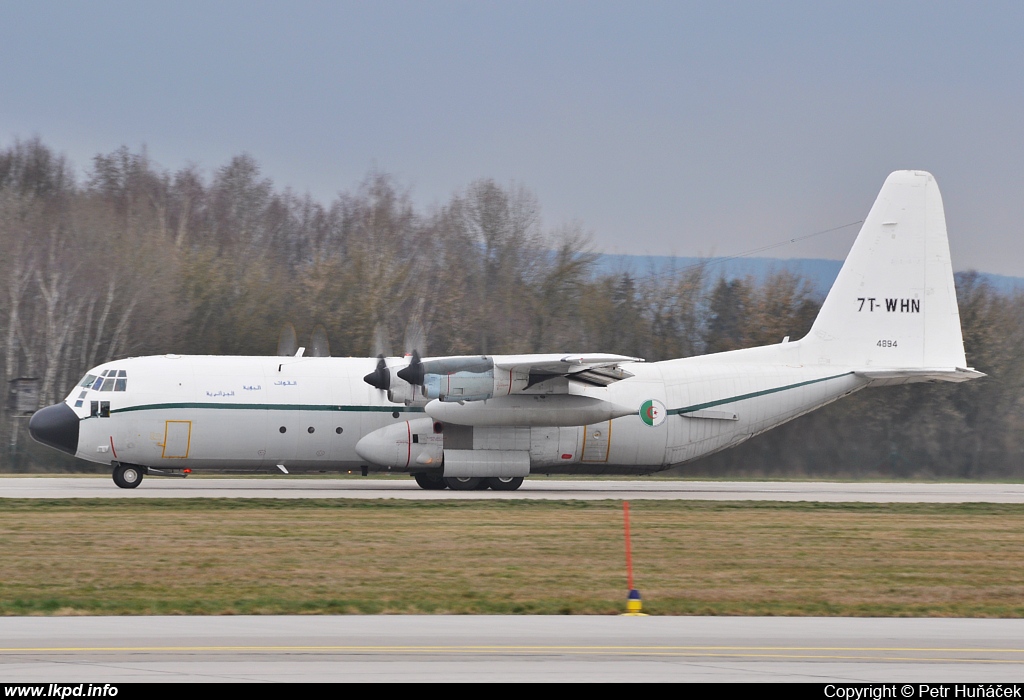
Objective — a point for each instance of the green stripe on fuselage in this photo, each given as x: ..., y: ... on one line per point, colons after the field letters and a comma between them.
x: 752, y: 395
x: 272, y: 407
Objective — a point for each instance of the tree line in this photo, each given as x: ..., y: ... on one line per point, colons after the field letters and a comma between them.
x: 127, y: 258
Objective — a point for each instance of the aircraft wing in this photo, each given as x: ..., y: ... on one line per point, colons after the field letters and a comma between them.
x: 592, y: 369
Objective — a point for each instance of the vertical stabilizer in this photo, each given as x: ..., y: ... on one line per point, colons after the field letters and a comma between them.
x: 893, y: 305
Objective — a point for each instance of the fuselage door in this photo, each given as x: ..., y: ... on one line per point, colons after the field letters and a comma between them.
x: 597, y: 442
x: 177, y: 439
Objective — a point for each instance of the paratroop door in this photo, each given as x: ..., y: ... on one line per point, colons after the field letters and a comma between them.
x: 177, y: 438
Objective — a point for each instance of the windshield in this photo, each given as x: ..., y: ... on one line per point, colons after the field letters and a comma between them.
x: 109, y: 380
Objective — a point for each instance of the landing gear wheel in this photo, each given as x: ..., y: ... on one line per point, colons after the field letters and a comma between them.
x: 464, y: 483
x: 505, y: 483
x: 430, y: 482
x: 127, y: 476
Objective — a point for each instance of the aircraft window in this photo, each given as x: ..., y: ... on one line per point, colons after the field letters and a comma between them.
x: 83, y: 394
x: 94, y: 408
x: 284, y: 429
x: 104, y: 409
x: 311, y: 430
x: 120, y: 384
x: 107, y: 373
x: 78, y: 404
x: 108, y: 384
x: 98, y: 384
x: 88, y: 381
x: 122, y: 373
x: 338, y: 430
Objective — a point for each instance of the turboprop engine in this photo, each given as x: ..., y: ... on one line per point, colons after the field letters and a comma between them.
x: 460, y: 378
x: 386, y: 376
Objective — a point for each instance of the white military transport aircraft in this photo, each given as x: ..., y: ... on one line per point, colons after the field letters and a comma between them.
x: 474, y: 422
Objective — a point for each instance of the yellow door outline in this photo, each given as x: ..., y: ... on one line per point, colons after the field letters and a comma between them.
x: 596, y: 442
x: 188, y: 440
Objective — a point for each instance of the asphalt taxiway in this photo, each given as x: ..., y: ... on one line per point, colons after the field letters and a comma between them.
x: 509, y: 648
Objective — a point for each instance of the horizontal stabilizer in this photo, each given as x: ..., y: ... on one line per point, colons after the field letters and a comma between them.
x: 924, y: 374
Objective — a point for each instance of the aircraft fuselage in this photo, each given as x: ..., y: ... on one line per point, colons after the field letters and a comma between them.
x: 217, y: 412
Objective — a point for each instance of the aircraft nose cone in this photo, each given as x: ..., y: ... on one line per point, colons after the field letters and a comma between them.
x: 56, y: 426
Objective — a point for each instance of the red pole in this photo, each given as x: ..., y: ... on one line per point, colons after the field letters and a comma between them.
x: 629, y: 551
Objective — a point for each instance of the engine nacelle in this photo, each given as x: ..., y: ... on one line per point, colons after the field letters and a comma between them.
x: 459, y: 386
x: 404, y: 445
x: 474, y: 386
x: 402, y: 391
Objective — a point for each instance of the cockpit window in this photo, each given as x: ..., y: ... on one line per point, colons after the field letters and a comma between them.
x: 109, y: 380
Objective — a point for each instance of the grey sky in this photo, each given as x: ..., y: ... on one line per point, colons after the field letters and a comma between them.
x: 686, y: 128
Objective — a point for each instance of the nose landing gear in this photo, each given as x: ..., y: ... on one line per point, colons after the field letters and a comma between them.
x: 127, y: 476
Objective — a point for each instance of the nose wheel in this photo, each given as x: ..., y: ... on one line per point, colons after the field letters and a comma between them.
x: 127, y: 476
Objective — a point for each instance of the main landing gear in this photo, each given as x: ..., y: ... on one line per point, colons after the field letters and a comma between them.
x: 431, y: 482
x: 505, y: 483
x: 127, y: 476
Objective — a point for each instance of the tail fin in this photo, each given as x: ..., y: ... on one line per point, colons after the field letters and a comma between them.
x: 892, y: 312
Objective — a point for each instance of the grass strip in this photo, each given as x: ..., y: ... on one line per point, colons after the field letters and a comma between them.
x: 247, y: 556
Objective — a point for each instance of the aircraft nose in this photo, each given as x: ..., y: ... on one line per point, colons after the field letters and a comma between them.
x: 56, y: 426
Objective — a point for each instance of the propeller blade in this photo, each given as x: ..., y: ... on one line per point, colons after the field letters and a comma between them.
x: 287, y: 344
x: 415, y: 336
x: 380, y: 377
x: 414, y: 372
x: 319, y: 346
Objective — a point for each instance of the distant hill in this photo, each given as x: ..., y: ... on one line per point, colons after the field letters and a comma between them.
x: 820, y: 273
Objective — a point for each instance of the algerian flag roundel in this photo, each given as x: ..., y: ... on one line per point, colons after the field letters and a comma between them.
x: 653, y: 412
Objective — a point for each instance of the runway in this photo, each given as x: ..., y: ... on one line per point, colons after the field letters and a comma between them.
x: 533, y: 488
x: 500, y: 649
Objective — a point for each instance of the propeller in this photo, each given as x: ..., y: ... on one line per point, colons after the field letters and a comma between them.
x: 414, y: 372
x: 380, y: 377
x: 415, y: 338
